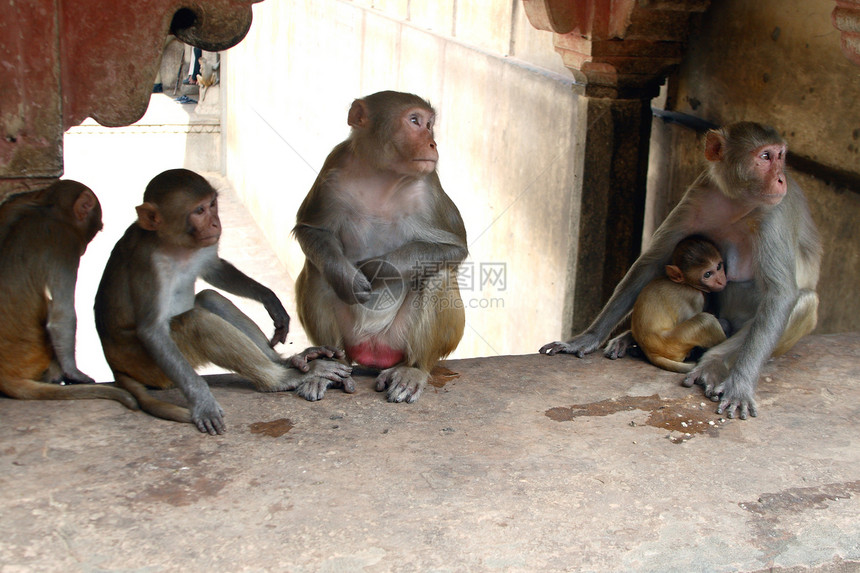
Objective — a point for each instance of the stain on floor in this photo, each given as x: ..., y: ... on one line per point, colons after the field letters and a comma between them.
x: 273, y: 429
x: 684, y: 417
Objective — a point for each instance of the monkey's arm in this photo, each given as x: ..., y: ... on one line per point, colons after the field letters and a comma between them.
x: 420, y: 259
x: 754, y: 343
x: 325, y: 252
x: 223, y: 275
x: 647, y: 267
x: 62, y: 320
x: 153, y: 331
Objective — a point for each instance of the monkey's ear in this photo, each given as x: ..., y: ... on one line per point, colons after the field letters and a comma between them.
x: 148, y: 216
x: 715, y: 144
x: 84, y: 204
x: 674, y: 273
x: 359, y: 115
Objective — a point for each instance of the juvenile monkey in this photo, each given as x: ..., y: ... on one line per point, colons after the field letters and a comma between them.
x: 667, y: 320
x: 757, y: 216
x: 382, y: 243
x: 43, y: 235
x: 155, y: 330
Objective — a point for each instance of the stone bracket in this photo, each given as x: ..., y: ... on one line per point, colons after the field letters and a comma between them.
x: 617, y: 48
x: 66, y: 60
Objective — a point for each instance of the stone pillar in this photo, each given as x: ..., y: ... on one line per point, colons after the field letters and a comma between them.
x: 619, y: 51
x: 615, y: 167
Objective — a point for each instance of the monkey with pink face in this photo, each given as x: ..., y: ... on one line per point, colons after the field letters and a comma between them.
x: 757, y: 216
x: 382, y: 243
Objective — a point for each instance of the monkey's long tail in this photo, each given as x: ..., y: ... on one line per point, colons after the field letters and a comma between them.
x: 150, y: 404
x: 667, y: 364
x: 24, y: 389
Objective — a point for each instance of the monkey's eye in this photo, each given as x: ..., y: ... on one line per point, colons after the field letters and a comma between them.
x: 720, y: 266
x: 708, y: 274
x: 415, y: 119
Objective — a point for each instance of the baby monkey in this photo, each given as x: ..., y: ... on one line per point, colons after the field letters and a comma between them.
x: 668, y: 319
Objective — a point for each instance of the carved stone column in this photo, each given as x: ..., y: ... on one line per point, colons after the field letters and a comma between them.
x: 619, y: 51
x: 66, y: 60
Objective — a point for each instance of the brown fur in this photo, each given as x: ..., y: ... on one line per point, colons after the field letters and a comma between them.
x: 42, y: 237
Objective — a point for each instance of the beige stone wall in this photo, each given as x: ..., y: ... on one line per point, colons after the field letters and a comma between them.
x: 507, y: 121
x: 777, y: 62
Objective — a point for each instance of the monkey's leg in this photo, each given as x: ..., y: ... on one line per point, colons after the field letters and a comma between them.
x: 317, y: 305
x: 669, y: 349
x: 218, y: 304
x: 713, y: 366
x: 702, y: 329
x: 801, y: 322
x: 434, y: 319
x: 204, y: 337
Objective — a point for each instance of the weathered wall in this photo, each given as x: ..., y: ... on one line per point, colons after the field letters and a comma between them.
x: 507, y: 130
x: 777, y: 62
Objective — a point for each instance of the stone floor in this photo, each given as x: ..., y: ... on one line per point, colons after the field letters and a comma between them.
x: 510, y: 463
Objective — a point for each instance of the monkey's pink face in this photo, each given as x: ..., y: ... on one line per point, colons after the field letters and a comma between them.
x: 769, y: 164
x: 203, y: 222
x: 415, y: 142
x: 713, y: 278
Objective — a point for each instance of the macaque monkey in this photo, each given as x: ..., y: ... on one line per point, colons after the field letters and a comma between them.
x: 382, y: 243
x: 43, y: 235
x: 667, y: 320
x: 208, y: 75
x: 757, y: 216
x: 155, y: 330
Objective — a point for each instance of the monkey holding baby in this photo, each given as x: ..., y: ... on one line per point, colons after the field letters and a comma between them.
x: 155, y: 330
x: 668, y: 319
x: 382, y: 243
x: 756, y: 214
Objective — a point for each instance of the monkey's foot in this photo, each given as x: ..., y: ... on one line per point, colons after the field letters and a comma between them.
x: 708, y: 374
x: 580, y: 346
x: 404, y: 383
x: 322, y: 375
x: 617, y: 347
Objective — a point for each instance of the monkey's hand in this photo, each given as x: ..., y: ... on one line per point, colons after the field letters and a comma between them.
x: 208, y: 415
x: 300, y: 360
x: 583, y: 344
x: 75, y: 376
x: 349, y: 284
x: 618, y: 346
x: 727, y: 389
x: 322, y: 375
x: 281, y: 320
